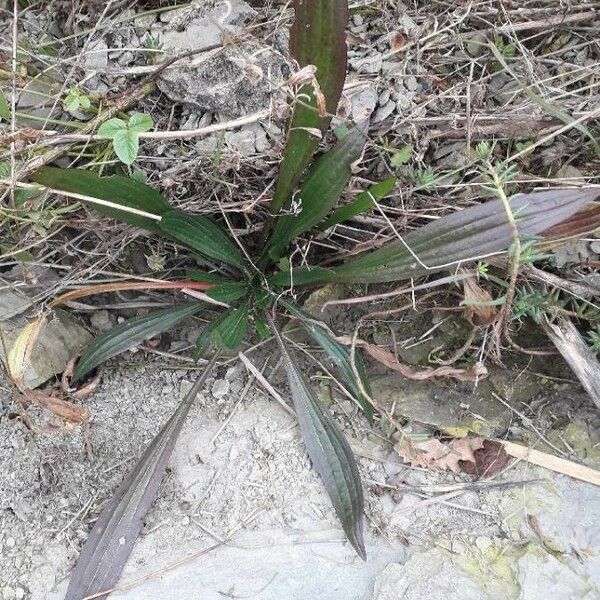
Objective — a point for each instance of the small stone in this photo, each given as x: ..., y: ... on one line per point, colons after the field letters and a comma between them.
x: 10, y: 542
x: 410, y: 83
x: 383, y: 112
x: 367, y: 64
x: 102, y: 320
x: 96, y: 57
x: 220, y: 388
x: 384, y: 97
x: 362, y: 103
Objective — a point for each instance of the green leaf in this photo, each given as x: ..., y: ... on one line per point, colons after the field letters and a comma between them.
x: 228, y: 292
x: 196, y: 275
x: 317, y: 37
x: 112, y: 127
x: 320, y: 192
x: 140, y: 122
x: 126, y: 136
x: 328, y: 450
x: 226, y: 332
x: 340, y: 355
x: 114, y: 533
x: 467, y: 235
x: 261, y: 327
x: 303, y: 276
x: 129, y: 333
x: 4, y: 107
x: 117, y: 189
x: 126, y: 144
x: 402, y: 156
x: 202, y: 235
x: 231, y: 329
x: 363, y: 202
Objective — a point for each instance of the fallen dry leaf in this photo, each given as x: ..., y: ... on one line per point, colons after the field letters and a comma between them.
x: 80, y: 392
x: 441, y: 456
x: 478, y: 309
x: 471, y: 455
x: 386, y: 358
x: 489, y: 459
x: 58, y: 406
x: 397, y: 41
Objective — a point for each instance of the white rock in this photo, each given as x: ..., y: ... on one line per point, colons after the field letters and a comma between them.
x: 220, y: 388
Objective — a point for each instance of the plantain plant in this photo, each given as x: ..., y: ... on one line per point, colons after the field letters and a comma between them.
x: 253, y: 285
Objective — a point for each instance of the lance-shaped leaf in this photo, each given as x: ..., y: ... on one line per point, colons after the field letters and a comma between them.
x: 231, y: 329
x: 202, y: 235
x: 317, y: 37
x: 226, y: 332
x: 327, y: 448
x: 117, y: 189
x: 466, y: 235
x: 363, y: 202
x: 129, y: 333
x: 321, y: 190
x: 340, y: 355
x: 109, y: 544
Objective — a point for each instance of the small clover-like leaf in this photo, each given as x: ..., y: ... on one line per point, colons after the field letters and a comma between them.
x: 126, y: 136
x: 140, y: 122
x: 110, y: 128
x: 126, y: 144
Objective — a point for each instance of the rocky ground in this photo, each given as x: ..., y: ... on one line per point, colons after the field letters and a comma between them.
x: 241, y: 514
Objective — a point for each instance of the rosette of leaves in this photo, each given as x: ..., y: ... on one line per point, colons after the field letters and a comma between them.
x: 251, y: 286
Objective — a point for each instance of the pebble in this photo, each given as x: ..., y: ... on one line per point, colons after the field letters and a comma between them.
x: 220, y: 388
x: 383, y: 112
x: 102, y: 320
x: 384, y: 96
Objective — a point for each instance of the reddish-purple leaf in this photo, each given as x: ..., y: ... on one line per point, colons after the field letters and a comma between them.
x: 111, y: 540
x: 317, y: 37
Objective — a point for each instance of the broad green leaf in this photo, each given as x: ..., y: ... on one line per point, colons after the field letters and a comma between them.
x: 340, y: 355
x: 4, y: 107
x: 202, y: 235
x: 317, y: 37
x: 228, y: 292
x: 320, y: 192
x: 463, y: 236
x: 114, y: 533
x: 140, y: 122
x: 328, y: 450
x: 117, y: 189
x: 303, y: 276
x: 112, y: 127
x: 126, y: 144
x: 231, y: 329
x: 226, y: 332
x: 196, y: 275
x: 131, y: 332
x: 363, y: 202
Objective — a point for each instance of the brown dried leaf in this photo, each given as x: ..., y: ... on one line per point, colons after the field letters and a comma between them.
x: 58, y: 406
x: 489, y: 459
x: 478, y: 309
x: 477, y: 372
x: 397, y: 41
x: 441, y: 456
x: 20, y: 352
x: 81, y: 392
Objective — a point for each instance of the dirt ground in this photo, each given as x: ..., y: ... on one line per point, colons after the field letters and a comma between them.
x: 242, y: 515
